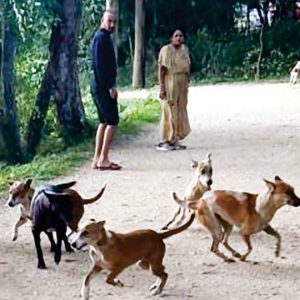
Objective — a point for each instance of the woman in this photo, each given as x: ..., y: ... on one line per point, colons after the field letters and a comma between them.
x: 173, y: 72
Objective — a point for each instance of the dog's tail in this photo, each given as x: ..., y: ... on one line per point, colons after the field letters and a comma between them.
x: 171, y: 232
x: 91, y: 200
x: 186, y: 204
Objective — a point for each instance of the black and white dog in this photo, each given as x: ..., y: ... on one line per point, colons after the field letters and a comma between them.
x: 51, y: 210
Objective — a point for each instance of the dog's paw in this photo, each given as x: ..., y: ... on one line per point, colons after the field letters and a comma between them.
x: 85, y: 293
x: 115, y: 282
x: 118, y: 283
x: 14, y: 238
x: 229, y: 260
x: 153, y: 286
x: 69, y: 249
x: 243, y: 258
x: 41, y: 265
x: 57, y: 258
x: 156, y: 291
x: 236, y: 254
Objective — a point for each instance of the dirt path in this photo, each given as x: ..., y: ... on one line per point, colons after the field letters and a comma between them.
x: 252, y: 131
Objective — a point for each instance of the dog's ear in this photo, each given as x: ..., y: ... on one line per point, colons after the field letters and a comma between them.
x: 64, y: 186
x: 194, y: 164
x: 208, y: 155
x: 52, y: 196
x: 101, y: 224
x: 28, y: 183
x: 277, y: 178
x: 270, y: 185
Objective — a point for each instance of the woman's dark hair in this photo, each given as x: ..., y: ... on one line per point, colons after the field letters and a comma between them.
x: 178, y: 28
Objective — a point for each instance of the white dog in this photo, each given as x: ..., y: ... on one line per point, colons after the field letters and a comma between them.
x: 294, y: 73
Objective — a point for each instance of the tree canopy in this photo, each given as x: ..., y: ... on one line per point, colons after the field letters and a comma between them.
x: 45, y: 61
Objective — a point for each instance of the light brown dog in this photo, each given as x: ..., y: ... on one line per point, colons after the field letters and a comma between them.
x: 200, y: 183
x: 219, y: 211
x: 116, y: 251
x: 21, y: 192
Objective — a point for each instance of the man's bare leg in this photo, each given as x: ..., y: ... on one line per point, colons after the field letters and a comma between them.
x: 98, y: 145
x: 108, y: 137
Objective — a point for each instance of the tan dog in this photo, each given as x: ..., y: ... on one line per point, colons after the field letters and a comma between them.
x: 200, y: 183
x: 115, y: 252
x: 219, y: 211
x: 20, y: 193
x: 294, y: 73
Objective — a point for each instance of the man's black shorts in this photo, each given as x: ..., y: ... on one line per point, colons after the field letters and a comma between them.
x: 107, y: 107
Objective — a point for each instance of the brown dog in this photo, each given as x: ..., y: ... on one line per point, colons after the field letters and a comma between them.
x: 219, y: 211
x: 20, y: 193
x: 115, y: 252
x: 200, y: 183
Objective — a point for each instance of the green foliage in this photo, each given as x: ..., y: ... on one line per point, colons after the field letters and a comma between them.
x: 45, y: 167
x: 92, y: 12
x: 29, y: 68
x: 135, y: 113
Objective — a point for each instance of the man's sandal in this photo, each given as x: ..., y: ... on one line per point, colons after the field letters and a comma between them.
x: 111, y: 167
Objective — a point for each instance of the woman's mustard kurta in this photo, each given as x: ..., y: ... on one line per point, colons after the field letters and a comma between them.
x: 174, y: 119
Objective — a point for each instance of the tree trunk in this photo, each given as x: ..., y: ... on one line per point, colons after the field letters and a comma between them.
x: 138, y: 76
x: 66, y: 83
x: 264, y: 22
x: 113, y: 6
x: 37, y: 119
x: 248, y: 20
x: 261, y: 51
x: 2, y: 145
x: 9, y: 121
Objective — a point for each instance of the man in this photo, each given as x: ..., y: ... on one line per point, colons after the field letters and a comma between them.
x: 105, y: 92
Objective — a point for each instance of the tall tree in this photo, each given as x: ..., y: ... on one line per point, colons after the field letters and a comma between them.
x: 9, y: 117
x: 60, y: 78
x: 262, y: 10
x: 2, y: 145
x: 37, y: 119
x: 66, y: 83
x: 138, y: 76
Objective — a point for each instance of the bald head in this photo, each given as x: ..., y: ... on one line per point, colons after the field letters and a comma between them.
x: 108, y: 21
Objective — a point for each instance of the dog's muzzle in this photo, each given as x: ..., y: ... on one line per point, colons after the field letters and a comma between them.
x: 294, y: 201
x: 78, y: 245
x: 10, y: 203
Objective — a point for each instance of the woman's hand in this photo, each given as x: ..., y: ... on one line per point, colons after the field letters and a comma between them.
x: 162, y: 93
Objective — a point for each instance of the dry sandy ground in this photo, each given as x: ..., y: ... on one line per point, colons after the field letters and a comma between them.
x: 253, y: 132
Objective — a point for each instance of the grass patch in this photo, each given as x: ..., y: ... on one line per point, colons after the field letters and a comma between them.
x: 133, y: 115
x: 136, y: 113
